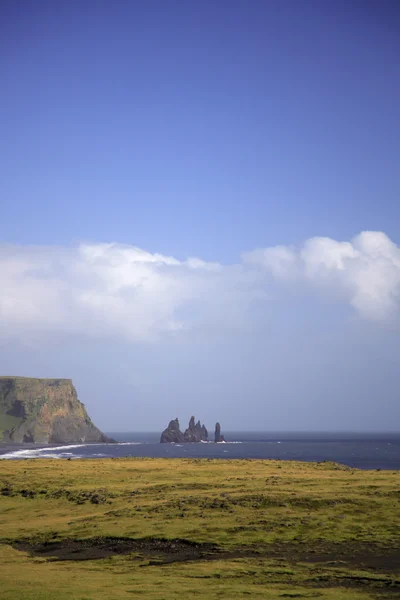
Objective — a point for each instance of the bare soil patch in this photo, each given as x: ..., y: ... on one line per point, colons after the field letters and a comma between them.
x: 103, y: 547
x: 356, y: 555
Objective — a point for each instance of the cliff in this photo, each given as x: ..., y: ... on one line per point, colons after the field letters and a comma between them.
x: 45, y: 411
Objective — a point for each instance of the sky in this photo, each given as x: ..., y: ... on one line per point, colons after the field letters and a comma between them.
x: 200, y: 209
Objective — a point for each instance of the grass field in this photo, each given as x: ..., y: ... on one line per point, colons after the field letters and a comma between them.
x: 162, y: 529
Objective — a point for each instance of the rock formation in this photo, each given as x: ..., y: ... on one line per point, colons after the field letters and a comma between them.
x: 196, y: 432
x: 44, y: 411
x: 218, y: 437
x: 172, y: 433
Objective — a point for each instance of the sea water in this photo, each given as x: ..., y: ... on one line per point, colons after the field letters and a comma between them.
x: 358, y: 450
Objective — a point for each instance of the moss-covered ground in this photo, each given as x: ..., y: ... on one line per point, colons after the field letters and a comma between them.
x: 166, y: 529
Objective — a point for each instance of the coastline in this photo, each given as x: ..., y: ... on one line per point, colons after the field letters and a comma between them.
x: 6, y: 447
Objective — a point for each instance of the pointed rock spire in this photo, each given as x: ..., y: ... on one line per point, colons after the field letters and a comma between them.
x: 218, y: 437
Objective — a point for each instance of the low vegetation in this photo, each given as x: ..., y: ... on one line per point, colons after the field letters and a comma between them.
x: 165, y: 529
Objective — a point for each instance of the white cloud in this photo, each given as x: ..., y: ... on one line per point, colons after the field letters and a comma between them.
x: 280, y: 261
x: 366, y: 270
x: 111, y: 290
x: 117, y: 290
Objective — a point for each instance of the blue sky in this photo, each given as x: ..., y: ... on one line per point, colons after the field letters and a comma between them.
x: 207, y: 130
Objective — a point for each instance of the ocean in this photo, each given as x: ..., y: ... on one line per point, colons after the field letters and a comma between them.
x: 357, y: 450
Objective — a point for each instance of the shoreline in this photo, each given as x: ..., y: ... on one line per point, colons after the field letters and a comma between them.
x: 6, y: 447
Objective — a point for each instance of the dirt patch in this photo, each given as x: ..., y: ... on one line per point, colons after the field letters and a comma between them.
x: 357, y: 554
x: 163, y: 551
x: 103, y: 547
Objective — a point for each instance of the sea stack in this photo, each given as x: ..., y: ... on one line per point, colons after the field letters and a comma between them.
x: 218, y: 437
x: 195, y: 432
x: 172, y: 433
x: 44, y: 411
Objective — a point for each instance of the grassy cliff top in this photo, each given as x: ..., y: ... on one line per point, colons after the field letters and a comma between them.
x: 34, y: 378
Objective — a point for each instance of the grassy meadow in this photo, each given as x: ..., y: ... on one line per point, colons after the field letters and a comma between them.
x: 166, y: 528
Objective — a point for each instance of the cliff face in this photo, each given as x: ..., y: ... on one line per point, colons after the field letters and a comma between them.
x: 45, y: 411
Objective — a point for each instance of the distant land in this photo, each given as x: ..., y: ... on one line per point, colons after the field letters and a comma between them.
x: 44, y: 411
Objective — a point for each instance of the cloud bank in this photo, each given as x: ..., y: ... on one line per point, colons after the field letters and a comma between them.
x: 103, y: 290
x: 364, y: 271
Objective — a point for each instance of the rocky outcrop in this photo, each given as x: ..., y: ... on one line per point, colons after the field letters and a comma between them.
x: 172, y: 433
x: 218, y: 437
x: 195, y: 432
x: 45, y: 411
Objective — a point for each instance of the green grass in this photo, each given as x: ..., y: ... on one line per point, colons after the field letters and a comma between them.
x: 282, y: 529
